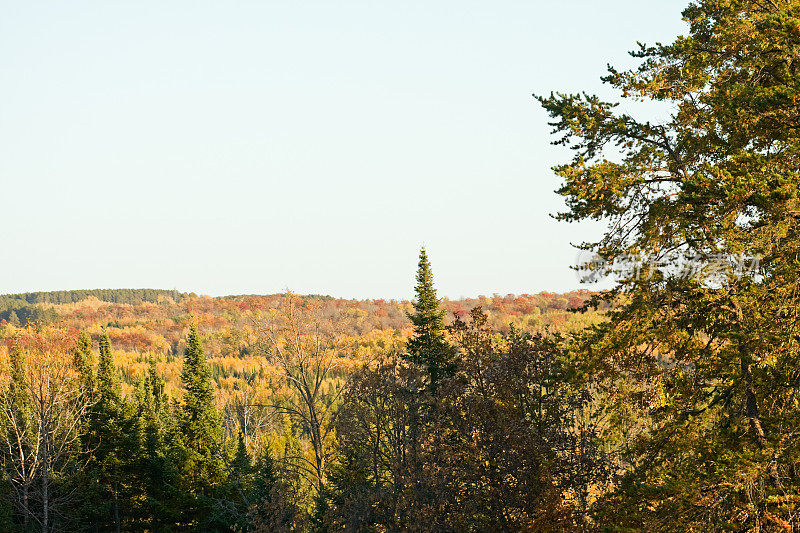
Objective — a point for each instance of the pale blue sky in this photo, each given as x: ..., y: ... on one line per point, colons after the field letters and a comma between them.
x: 247, y: 147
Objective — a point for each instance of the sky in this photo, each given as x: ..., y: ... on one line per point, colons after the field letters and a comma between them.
x: 251, y: 147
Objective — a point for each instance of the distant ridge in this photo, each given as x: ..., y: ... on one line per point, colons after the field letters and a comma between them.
x: 117, y: 296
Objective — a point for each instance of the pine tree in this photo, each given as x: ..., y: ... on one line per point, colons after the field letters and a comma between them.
x: 153, y: 468
x: 271, y: 508
x: 86, y: 480
x: 240, y: 484
x: 201, y: 433
x: 242, y: 464
x: 83, y: 361
x: 428, y: 347
x: 110, y: 438
x: 156, y: 386
x: 266, y: 478
x: 108, y: 387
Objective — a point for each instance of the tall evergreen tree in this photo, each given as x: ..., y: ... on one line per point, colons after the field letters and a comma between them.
x: 242, y: 463
x: 201, y: 433
x: 86, y: 480
x: 428, y: 346
x: 240, y: 483
x: 271, y: 507
x: 108, y: 386
x: 153, y: 467
x: 155, y: 384
x: 110, y: 437
x: 266, y: 478
x: 83, y: 361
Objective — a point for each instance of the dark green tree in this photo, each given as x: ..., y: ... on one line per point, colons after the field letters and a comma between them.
x: 107, y: 382
x: 200, y: 426
x: 110, y: 443
x: 271, y: 507
x: 428, y: 347
x: 242, y: 464
x: 83, y: 359
x: 152, y: 467
x: 240, y: 484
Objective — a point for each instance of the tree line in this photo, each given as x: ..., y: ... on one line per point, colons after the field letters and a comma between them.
x: 392, y: 446
x: 23, y: 308
x: 120, y: 296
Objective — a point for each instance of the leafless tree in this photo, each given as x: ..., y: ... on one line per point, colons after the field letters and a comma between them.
x: 307, y: 348
x: 41, y: 418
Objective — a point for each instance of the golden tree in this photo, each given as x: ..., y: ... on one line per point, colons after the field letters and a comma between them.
x: 42, y: 408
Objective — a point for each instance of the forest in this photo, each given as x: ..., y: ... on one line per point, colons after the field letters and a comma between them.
x: 668, y: 402
x: 156, y: 411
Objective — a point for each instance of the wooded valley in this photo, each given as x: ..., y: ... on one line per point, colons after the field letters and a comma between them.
x: 669, y: 402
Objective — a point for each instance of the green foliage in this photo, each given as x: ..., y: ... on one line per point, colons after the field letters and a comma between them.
x: 109, y: 441
x: 20, y: 429
x: 428, y: 347
x: 20, y: 313
x: 200, y: 427
x: 156, y: 498
x: 121, y: 296
x: 107, y: 381
x: 698, y: 365
x: 17, y: 386
x: 271, y: 508
x: 83, y: 360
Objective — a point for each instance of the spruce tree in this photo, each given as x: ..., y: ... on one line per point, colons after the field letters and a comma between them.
x: 428, y: 347
x: 153, y: 468
x: 110, y: 434
x: 272, y: 508
x: 156, y: 386
x: 242, y: 464
x: 87, y: 479
x: 240, y: 483
x: 108, y: 387
x: 201, y: 433
x: 266, y: 478
x: 83, y: 361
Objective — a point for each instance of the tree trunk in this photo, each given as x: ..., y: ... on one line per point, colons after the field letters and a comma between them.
x: 25, y: 506
x: 45, y: 493
x: 116, y: 508
x: 45, y: 461
x: 752, y: 405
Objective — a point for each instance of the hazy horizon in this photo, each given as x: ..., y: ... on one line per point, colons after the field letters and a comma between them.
x: 462, y: 297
